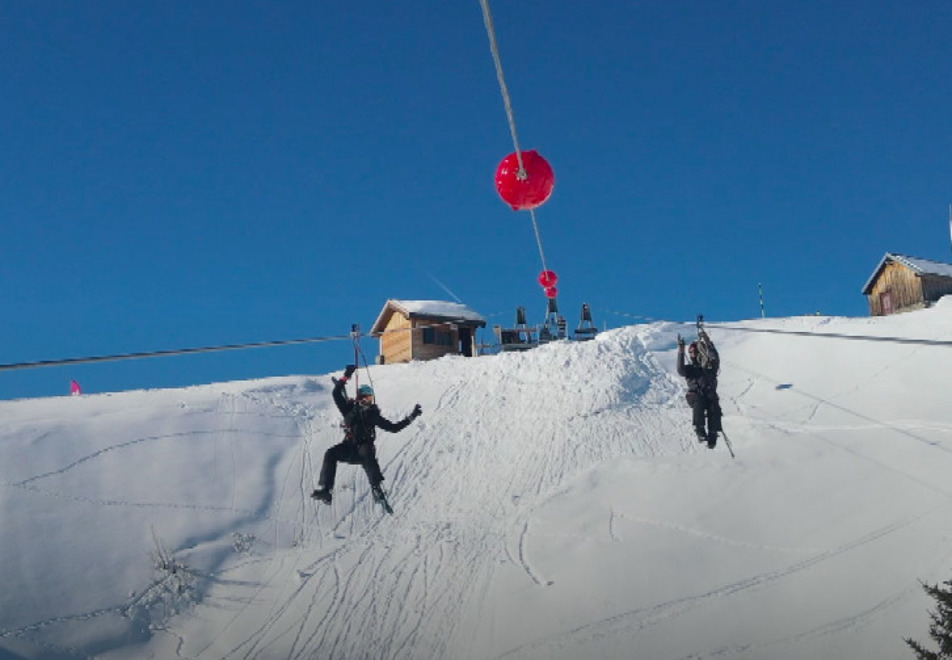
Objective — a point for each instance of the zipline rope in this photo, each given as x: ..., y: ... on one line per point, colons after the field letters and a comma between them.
x: 488, y: 21
x: 358, y: 350
x: 799, y: 333
x: 839, y: 335
x: 510, y: 115
x: 354, y: 336
x: 166, y: 353
x: 535, y: 228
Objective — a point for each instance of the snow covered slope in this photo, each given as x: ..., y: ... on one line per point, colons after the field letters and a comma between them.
x: 549, y: 504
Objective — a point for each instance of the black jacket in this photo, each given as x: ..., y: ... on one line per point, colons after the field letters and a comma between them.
x: 361, y: 422
x: 700, y: 379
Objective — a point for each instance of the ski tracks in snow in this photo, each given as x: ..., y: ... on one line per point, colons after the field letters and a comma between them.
x: 394, y: 587
x: 629, y: 623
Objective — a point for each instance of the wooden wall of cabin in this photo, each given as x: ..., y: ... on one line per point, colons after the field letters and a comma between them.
x: 395, y: 343
x: 422, y: 351
x: 905, y: 287
x: 402, y: 340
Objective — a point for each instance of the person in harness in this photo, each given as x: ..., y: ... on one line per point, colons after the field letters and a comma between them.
x: 362, y: 418
x: 701, y: 374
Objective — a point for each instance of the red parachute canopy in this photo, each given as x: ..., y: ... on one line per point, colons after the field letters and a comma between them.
x: 529, y: 191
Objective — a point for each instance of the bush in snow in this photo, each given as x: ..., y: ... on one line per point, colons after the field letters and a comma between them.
x: 243, y: 543
x: 940, y: 630
x: 173, y: 590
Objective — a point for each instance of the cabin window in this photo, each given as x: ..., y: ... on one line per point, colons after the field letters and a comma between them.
x: 437, y: 337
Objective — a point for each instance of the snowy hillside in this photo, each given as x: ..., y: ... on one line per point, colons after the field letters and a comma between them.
x: 551, y: 504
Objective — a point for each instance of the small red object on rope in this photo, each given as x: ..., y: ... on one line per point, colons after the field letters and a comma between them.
x: 524, y: 190
x: 548, y: 279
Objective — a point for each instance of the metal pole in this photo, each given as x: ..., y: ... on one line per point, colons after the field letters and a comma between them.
x: 355, y: 335
x: 728, y: 443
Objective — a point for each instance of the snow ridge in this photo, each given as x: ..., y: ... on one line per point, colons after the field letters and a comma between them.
x: 549, y: 504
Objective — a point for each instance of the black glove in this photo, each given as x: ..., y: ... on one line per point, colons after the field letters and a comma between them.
x: 417, y: 411
x: 680, y: 343
x: 349, y: 370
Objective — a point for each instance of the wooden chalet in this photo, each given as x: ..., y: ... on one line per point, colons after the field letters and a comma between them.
x: 425, y: 330
x: 902, y: 283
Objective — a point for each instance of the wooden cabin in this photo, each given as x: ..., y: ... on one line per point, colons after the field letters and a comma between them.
x: 901, y: 284
x: 425, y: 330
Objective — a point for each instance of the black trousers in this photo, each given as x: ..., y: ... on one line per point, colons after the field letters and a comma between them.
x: 353, y: 454
x: 705, y: 406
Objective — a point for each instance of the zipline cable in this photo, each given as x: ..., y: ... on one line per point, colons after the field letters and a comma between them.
x: 840, y: 335
x: 945, y: 343
x: 488, y: 21
x: 538, y: 238
x: 165, y: 353
x: 798, y: 333
x: 510, y: 115
x: 353, y: 336
x: 359, y: 350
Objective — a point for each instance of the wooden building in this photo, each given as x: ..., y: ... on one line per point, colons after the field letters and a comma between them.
x: 425, y: 330
x: 902, y: 283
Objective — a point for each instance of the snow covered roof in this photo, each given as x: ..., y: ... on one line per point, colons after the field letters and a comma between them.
x: 438, y: 310
x: 915, y: 264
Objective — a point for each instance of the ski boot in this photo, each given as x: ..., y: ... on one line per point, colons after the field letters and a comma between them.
x: 323, y: 494
x: 380, y: 497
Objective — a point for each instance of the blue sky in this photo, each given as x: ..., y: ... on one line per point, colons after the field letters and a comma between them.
x: 184, y: 174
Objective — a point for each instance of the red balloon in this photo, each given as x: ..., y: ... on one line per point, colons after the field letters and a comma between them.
x: 528, y: 191
x: 551, y: 292
x: 548, y: 278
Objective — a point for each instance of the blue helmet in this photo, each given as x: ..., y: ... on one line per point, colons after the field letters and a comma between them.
x: 365, y: 391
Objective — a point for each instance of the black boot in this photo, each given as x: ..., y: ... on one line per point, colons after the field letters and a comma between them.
x: 711, y: 439
x: 323, y: 494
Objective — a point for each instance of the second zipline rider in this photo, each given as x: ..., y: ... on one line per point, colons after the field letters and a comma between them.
x: 362, y: 418
x: 701, y: 374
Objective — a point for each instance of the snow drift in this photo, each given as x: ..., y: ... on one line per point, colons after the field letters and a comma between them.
x: 549, y: 504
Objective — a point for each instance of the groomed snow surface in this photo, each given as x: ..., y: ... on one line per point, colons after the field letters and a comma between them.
x: 551, y: 504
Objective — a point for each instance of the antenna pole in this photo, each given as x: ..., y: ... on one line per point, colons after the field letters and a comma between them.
x: 760, y: 290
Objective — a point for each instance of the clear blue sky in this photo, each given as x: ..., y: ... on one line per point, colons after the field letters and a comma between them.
x: 182, y: 174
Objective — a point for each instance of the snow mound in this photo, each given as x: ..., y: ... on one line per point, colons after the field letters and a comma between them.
x: 549, y: 504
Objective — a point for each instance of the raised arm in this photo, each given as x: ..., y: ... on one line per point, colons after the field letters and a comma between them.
x: 339, y: 393
x: 681, y: 370
x: 394, y: 427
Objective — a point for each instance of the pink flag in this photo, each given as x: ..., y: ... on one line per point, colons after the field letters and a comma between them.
x: 74, y: 388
